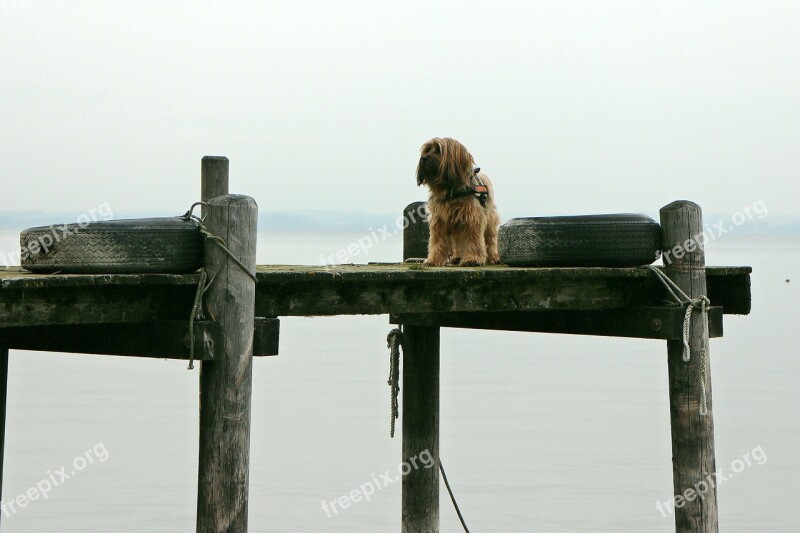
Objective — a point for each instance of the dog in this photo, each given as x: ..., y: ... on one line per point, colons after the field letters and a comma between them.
x: 462, y: 213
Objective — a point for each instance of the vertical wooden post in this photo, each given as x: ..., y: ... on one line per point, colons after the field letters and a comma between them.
x: 3, y: 394
x: 420, y: 428
x: 213, y: 177
x: 226, y: 382
x: 693, y: 461
x: 420, y: 411
x: 417, y: 232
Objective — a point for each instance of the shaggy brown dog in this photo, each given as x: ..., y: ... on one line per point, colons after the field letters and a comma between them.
x: 462, y: 214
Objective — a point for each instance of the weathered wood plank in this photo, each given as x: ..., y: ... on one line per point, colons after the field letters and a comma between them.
x: 3, y: 395
x: 640, y: 322
x: 226, y: 382
x: 95, y: 304
x: 377, y: 289
x: 729, y: 290
x: 31, y: 300
x: 168, y: 339
x: 693, y: 459
x: 16, y: 278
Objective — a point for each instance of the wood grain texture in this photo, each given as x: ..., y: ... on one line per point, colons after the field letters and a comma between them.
x: 693, y: 459
x: 214, y: 178
x: 284, y: 290
x: 226, y: 381
x: 420, y: 413
x: 165, y: 339
x: 417, y: 231
x: 638, y: 322
x: 379, y: 289
x: 3, y: 394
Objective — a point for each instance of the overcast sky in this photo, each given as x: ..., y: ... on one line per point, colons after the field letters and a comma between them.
x: 570, y: 107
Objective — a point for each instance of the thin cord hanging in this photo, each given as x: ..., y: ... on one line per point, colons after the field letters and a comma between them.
x: 452, y: 498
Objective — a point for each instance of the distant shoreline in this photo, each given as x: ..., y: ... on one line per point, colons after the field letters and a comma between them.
x: 311, y: 221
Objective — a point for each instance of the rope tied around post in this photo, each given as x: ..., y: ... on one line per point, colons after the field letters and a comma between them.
x: 701, y: 304
x: 202, y: 285
x: 394, y: 340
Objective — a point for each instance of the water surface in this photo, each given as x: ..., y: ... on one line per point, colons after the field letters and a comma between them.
x: 539, y: 432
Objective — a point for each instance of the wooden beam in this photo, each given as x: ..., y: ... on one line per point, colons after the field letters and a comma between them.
x: 168, y: 339
x: 34, y: 300
x: 693, y: 459
x: 95, y: 304
x: 396, y: 289
x: 640, y: 322
x: 3, y: 395
x: 729, y: 288
x: 226, y: 382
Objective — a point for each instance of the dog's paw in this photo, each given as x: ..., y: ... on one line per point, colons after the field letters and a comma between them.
x: 492, y: 259
x: 435, y: 262
x: 472, y: 261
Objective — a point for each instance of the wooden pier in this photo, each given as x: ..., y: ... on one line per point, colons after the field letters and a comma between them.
x: 147, y: 315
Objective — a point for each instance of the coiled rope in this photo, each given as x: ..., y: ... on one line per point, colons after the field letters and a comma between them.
x: 202, y: 285
x: 394, y: 340
x: 702, y: 304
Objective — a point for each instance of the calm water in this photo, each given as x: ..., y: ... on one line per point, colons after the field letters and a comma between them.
x: 539, y: 432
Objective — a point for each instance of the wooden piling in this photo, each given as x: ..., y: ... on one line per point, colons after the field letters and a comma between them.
x: 693, y: 461
x: 214, y: 172
x: 3, y: 394
x: 420, y: 414
x: 420, y: 409
x: 226, y: 382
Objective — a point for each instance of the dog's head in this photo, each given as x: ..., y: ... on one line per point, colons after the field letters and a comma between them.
x: 444, y: 164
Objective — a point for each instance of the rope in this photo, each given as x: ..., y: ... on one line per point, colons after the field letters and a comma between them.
x: 202, y: 286
x: 701, y: 303
x: 215, y: 238
x: 394, y: 340
x: 452, y: 498
x: 197, y: 312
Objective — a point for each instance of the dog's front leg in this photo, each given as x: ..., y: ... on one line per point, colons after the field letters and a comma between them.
x: 438, y: 244
x: 472, y: 247
x: 490, y: 237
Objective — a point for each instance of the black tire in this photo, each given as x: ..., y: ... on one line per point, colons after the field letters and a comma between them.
x: 114, y: 246
x: 621, y: 240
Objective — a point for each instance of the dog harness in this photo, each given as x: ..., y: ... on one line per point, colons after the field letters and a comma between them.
x: 478, y: 189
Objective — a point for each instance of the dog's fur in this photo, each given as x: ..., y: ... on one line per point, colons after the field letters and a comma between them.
x: 462, y: 231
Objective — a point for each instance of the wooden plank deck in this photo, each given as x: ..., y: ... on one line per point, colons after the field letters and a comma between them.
x: 283, y: 290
